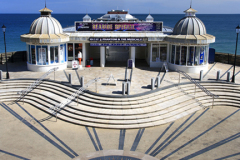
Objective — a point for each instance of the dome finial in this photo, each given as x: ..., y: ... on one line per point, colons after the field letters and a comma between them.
x: 45, y: 4
x: 191, y: 4
x: 190, y: 12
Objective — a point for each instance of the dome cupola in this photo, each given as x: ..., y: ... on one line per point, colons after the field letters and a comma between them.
x: 149, y: 18
x: 45, y: 29
x: 45, y: 24
x: 190, y: 24
x: 86, y: 18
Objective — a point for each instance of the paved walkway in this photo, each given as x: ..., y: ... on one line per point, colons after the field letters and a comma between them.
x: 141, y: 78
x: 207, y: 134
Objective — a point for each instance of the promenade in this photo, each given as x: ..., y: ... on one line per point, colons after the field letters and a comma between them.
x: 197, y: 132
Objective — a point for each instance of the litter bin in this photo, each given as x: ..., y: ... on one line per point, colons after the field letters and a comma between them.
x: 91, y: 61
x: 88, y: 63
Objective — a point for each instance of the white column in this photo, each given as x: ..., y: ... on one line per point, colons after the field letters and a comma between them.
x: 102, y: 57
x: 83, y: 54
x: 36, y: 54
x: 73, y: 51
x: 168, y: 52
x: 59, y: 54
x: 27, y: 52
x: 48, y: 54
x: 67, y: 51
x: 150, y: 54
x: 132, y: 55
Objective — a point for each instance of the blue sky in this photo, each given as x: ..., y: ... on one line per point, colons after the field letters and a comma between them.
x: 134, y: 6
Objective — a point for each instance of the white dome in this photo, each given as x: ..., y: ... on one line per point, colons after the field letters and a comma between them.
x: 45, y: 25
x: 190, y: 25
x: 45, y: 29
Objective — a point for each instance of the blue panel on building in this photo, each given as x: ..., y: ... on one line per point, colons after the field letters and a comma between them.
x: 211, y: 55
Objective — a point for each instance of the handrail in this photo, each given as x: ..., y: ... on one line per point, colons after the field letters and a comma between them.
x: 197, y: 84
x: 61, y: 105
x: 34, y: 84
x: 209, y: 69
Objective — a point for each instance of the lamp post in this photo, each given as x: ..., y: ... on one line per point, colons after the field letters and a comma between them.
x: 237, y: 31
x: 4, y: 29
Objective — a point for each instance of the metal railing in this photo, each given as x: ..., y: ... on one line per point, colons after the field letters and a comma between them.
x: 67, y: 101
x: 35, y: 84
x: 197, y: 85
x: 209, y: 69
x: 226, y: 72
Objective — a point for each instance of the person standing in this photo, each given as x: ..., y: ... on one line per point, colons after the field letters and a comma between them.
x: 79, y: 57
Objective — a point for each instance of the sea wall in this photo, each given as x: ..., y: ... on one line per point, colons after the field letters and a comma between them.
x: 227, y: 58
x: 15, y: 56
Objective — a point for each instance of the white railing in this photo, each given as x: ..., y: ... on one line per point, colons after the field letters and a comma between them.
x: 35, y: 84
x: 65, y: 102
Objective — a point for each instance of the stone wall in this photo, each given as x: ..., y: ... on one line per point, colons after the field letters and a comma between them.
x: 16, y: 56
x: 227, y: 58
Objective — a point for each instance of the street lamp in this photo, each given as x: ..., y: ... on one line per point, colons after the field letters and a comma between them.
x: 237, y: 31
x: 4, y: 29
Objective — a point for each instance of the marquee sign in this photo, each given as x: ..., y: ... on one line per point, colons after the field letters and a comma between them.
x: 118, y: 26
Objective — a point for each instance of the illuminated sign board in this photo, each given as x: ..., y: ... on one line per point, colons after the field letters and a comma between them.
x: 118, y: 26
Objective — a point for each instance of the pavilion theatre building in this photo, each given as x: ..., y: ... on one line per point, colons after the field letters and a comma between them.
x: 116, y: 37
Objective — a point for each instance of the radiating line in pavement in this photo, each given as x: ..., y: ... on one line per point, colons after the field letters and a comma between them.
x: 98, y: 141
x: 121, y: 139
x: 93, y: 141
x: 137, y: 139
x: 155, y: 152
x: 14, y: 155
x: 49, y: 131
x: 159, y: 138
x: 36, y: 130
x: 201, y: 134
x: 170, y: 141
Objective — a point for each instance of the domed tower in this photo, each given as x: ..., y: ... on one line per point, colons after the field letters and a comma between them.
x: 46, y: 43
x: 190, y: 25
x: 189, y: 44
x: 149, y: 18
x: 86, y: 18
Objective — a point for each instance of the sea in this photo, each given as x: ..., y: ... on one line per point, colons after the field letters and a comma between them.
x: 222, y: 26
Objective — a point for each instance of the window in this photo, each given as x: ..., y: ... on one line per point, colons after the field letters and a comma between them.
x: 33, y: 54
x: 155, y: 52
x: 202, y: 54
x: 163, y: 52
x: 183, y: 55
x: 78, y: 48
x: 190, y: 58
x: 197, y: 55
x: 177, y: 55
x: 70, y: 51
x: 42, y: 55
x: 29, y: 53
x: 173, y: 54
x: 45, y: 55
x: 63, y: 54
x: 54, y: 54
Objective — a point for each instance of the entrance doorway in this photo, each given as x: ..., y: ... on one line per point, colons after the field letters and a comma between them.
x: 117, y: 56
x: 120, y: 54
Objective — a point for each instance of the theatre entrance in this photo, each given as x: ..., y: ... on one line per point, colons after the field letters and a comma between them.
x: 117, y: 56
